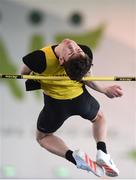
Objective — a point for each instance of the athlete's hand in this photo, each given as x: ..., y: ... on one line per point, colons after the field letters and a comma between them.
x: 113, y: 91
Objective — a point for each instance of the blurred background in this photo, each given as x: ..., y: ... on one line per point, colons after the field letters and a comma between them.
x: 109, y: 28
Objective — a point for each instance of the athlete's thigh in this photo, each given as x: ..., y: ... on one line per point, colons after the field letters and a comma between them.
x: 52, y: 116
x: 86, y: 106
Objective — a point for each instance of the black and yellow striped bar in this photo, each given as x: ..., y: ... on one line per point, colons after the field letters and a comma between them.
x: 4, y: 76
x: 57, y: 78
x: 125, y: 79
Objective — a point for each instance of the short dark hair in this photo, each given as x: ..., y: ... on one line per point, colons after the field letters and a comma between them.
x: 77, y: 67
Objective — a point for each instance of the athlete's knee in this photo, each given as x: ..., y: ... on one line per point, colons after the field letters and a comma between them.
x: 99, y: 117
x: 41, y: 138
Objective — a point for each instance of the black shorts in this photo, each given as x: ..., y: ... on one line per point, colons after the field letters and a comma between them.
x: 56, y: 111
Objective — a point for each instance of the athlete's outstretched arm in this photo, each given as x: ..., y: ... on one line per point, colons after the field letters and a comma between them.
x: 109, y: 91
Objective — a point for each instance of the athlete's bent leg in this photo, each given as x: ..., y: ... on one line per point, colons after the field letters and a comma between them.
x: 56, y: 146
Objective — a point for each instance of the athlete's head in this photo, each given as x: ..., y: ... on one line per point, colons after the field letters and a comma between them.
x: 74, y: 60
x: 77, y: 67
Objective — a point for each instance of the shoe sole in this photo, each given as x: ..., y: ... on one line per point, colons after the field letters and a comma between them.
x: 89, y: 168
x: 108, y: 171
x: 102, y: 170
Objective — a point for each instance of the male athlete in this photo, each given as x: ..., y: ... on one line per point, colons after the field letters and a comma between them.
x: 63, y: 99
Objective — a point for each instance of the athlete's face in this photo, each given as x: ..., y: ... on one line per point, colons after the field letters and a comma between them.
x: 69, y: 49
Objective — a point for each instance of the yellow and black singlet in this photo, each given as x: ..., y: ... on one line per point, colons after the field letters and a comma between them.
x: 45, y: 62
